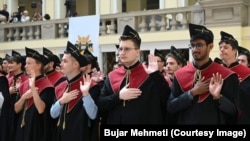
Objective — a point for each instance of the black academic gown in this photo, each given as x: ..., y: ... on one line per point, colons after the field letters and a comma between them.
x: 56, y: 78
x: 37, y: 127
x: 4, y: 117
x: 95, y: 91
x: 147, y: 109
x: 243, y: 98
x: 13, y: 98
x: 203, y: 109
x: 74, y: 123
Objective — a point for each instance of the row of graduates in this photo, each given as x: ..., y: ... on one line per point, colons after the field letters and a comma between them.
x: 193, y: 103
x: 33, y: 85
x: 202, y: 92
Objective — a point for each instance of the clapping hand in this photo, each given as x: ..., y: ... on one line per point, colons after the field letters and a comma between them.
x: 215, y: 85
x: 85, y: 85
x: 152, y: 64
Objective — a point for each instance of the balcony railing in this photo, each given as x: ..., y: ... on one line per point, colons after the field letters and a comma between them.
x: 217, y: 13
x: 143, y: 21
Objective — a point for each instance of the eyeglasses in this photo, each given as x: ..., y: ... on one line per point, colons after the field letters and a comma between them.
x: 198, y: 46
x: 126, y: 49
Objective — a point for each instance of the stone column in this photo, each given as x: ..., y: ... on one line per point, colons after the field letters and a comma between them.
x: 225, y: 12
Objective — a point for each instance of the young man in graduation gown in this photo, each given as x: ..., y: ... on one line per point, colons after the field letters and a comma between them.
x: 4, y: 108
x: 133, y: 94
x: 228, y: 54
x: 243, y: 56
x: 75, y: 105
x: 160, y: 61
x: 16, y: 63
x: 92, y: 68
x: 199, y: 96
x: 55, y: 77
x: 33, y: 105
x: 174, y: 61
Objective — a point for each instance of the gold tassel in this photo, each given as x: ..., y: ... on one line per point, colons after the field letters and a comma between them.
x: 197, y: 76
x: 58, y: 122
x: 63, y: 124
x: 23, y: 121
x: 64, y: 116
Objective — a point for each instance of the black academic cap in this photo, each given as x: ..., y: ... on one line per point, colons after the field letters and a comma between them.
x: 242, y: 50
x: 73, y: 50
x: 16, y: 56
x: 200, y: 32
x: 1, y: 61
x: 159, y: 54
x: 7, y: 57
x: 130, y: 33
x: 35, y: 55
x: 51, y: 57
x: 91, y: 58
x: 178, y: 55
x: 117, y: 46
x: 226, y: 37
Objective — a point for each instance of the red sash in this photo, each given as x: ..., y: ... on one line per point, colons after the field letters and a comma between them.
x: 185, y: 76
x: 54, y: 77
x: 72, y: 86
x: 41, y: 84
x: 23, y: 77
x: 136, y: 78
x: 242, y: 71
x: 60, y: 89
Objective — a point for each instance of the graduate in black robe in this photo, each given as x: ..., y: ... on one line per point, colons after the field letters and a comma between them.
x: 199, y: 96
x: 36, y: 97
x: 94, y: 71
x: 16, y: 63
x: 133, y: 94
x: 75, y: 106
x: 230, y: 44
x: 5, y: 109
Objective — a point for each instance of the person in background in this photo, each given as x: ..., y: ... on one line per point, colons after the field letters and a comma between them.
x: 174, y: 61
x: 36, y: 97
x: 46, y: 17
x: 97, y: 77
x: 55, y: 77
x: 228, y: 54
x: 132, y: 94
x: 37, y: 17
x: 5, y: 65
x: 160, y: 61
x: 5, y: 13
x: 4, y: 108
x: 243, y: 56
x: 16, y: 63
x: 75, y: 106
x: 203, y: 92
x: 117, y: 62
x: 25, y: 17
x: 15, y: 17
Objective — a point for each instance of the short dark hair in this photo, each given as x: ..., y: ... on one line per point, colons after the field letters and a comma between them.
x: 47, y: 16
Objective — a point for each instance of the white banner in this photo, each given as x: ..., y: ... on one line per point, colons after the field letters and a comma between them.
x: 85, y: 29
